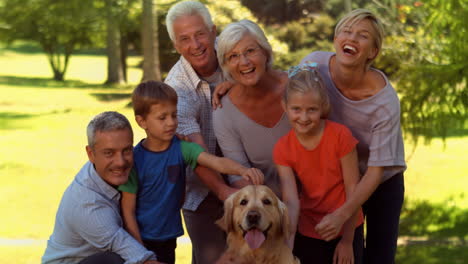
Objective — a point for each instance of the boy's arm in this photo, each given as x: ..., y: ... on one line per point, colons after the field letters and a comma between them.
x: 228, y: 166
x: 290, y: 198
x: 211, y: 178
x: 128, y: 205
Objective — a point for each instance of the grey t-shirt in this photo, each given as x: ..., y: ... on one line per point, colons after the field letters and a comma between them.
x: 374, y: 121
x: 247, y: 142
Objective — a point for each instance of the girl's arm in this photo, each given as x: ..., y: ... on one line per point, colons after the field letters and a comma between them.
x: 344, y: 249
x: 331, y: 223
x: 228, y: 166
x: 290, y: 198
x: 128, y: 205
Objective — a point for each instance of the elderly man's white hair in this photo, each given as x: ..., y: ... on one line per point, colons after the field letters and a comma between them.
x: 187, y: 8
x: 235, y: 32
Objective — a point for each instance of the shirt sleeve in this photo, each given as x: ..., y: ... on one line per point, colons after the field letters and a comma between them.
x: 229, y: 141
x: 345, y: 142
x: 190, y: 152
x: 279, y: 152
x: 102, y: 228
x: 386, y: 144
x: 131, y: 186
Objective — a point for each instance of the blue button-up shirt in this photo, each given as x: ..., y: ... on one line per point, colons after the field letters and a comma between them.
x: 88, y: 222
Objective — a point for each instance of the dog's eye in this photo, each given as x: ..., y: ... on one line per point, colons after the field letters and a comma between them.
x: 243, y: 202
x: 266, y: 202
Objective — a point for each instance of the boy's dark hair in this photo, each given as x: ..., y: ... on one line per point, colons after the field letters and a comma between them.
x: 150, y: 93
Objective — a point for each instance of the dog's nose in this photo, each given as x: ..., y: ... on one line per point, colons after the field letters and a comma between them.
x: 253, y: 217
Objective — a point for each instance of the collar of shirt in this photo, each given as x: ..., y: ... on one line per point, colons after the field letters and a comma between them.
x: 91, y: 179
x: 191, y: 74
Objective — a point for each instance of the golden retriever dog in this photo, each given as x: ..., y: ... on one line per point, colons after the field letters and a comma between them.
x: 257, y: 224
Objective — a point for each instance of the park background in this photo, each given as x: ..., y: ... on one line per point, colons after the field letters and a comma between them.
x: 62, y: 62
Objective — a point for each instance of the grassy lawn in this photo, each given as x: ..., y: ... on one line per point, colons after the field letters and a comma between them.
x: 42, y: 134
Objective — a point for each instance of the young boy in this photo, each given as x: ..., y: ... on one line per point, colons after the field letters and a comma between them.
x: 153, y: 197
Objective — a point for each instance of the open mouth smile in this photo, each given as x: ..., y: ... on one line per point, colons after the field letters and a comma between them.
x: 348, y: 49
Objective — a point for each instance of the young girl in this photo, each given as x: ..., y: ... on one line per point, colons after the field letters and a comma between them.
x: 322, y: 155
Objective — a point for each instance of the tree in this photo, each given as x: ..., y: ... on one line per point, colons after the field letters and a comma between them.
x: 114, y: 58
x: 281, y: 11
x: 430, y: 40
x: 60, y: 27
x: 150, y: 42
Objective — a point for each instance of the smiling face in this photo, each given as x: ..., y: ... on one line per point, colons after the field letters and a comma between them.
x: 246, y: 62
x: 304, y: 111
x: 255, y: 215
x: 160, y: 124
x: 355, y: 45
x: 112, y: 155
x: 195, y: 42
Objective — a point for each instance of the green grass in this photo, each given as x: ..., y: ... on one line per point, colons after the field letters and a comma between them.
x: 42, y: 134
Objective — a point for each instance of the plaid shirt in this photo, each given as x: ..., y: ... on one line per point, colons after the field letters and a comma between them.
x: 195, y: 116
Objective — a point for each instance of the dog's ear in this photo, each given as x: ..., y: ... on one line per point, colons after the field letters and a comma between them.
x: 225, y: 222
x: 284, y: 218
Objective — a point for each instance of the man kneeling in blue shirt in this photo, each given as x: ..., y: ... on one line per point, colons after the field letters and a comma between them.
x: 88, y: 227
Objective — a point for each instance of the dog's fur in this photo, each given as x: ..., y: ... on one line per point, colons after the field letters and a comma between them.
x: 256, y: 207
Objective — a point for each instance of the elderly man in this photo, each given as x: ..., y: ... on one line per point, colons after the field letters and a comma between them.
x: 194, y: 77
x: 88, y: 227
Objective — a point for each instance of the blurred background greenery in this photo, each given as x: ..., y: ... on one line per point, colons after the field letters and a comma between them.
x: 62, y: 62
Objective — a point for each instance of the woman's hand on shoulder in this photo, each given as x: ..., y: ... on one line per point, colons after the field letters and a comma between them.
x: 220, y: 90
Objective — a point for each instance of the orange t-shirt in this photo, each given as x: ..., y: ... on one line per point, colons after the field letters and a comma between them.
x: 322, y: 188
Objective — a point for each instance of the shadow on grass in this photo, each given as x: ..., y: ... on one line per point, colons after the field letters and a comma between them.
x: 107, y: 97
x: 437, y: 221
x: 437, y: 233
x: 50, y: 83
x: 438, y: 254
x: 25, y: 47
x: 8, y: 120
x: 15, y: 120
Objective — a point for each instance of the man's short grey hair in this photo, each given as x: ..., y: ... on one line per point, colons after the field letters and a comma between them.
x: 235, y: 32
x: 106, y: 121
x: 187, y: 8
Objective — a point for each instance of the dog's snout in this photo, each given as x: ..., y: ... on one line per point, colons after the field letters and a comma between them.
x: 253, y: 217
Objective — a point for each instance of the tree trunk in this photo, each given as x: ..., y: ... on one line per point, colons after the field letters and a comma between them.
x: 114, y: 66
x: 124, y: 55
x: 150, y: 43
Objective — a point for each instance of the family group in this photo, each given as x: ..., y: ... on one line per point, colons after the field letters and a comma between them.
x: 325, y: 136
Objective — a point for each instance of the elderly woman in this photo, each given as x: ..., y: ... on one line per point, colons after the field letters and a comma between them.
x: 363, y: 99
x: 251, y: 119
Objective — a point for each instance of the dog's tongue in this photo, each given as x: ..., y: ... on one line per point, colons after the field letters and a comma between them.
x: 254, y: 238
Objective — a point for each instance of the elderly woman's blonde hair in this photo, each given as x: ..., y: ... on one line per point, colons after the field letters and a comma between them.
x: 357, y: 16
x: 235, y: 32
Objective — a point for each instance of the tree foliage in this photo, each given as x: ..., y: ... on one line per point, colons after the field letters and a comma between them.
x: 283, y: 11
x: 428, y: 39
x: 60, y: 27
